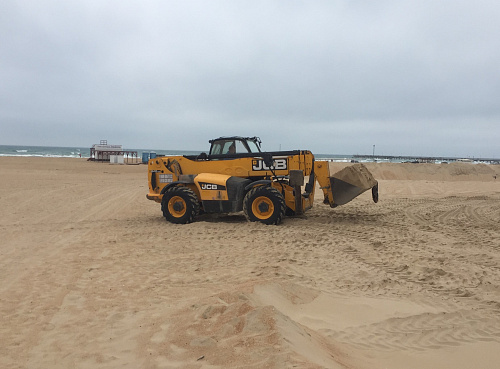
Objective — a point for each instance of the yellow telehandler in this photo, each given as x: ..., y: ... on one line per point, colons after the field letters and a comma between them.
x: 237, y: 176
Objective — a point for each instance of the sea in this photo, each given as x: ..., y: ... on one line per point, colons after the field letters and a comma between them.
x: 84, y: 152
x: 72, y: 151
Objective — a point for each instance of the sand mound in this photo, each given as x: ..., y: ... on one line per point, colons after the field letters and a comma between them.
x: 238, y: 330
x: 461, y: 169
x: 429, y: 172
x: 285, y: 325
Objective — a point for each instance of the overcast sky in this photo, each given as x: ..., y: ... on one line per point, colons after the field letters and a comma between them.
x: 339, y: 76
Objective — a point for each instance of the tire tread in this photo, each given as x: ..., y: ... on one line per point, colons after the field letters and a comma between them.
x: 190, y: 198
x: 271, y: 193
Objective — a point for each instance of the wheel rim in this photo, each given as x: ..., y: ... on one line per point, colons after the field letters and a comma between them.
x: 262, y: 207
x: 177, y: 206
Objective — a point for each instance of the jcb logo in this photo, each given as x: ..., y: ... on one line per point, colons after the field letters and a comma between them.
x: 210, y: 186
x: 278, y: 164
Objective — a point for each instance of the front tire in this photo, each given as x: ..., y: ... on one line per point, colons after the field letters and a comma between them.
x: 180, y: 205
x: 264, y: 204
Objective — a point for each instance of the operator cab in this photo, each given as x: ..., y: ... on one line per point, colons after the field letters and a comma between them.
x: 234, y: 145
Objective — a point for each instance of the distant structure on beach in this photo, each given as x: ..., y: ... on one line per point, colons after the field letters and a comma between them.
x: 112, y: 153
x: 424, y: 159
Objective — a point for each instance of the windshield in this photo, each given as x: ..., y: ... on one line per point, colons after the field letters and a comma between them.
x: 233, y: 146
x: 228, y: 147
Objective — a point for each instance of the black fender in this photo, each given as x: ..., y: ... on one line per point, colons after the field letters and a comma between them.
x: 170, y: 185
x: 262, y: 182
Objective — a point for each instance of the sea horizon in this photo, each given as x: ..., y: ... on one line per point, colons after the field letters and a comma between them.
x: 84, y: 152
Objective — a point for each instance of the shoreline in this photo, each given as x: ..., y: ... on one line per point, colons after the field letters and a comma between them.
x: 55, y: 151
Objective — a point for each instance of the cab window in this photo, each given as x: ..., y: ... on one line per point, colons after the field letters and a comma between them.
x: 253, y: 146
x: 224, y: 147
x: 240, y: 148
x: 216, y: 148
x: 233, y: 147
x: 229, y: 147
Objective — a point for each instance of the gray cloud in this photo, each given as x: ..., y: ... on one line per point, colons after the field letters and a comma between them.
x: 415, y: 77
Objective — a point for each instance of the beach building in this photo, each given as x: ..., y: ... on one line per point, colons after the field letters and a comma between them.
x: 112, y: 153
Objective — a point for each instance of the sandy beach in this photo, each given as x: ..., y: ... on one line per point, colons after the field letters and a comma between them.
x: 92, y: 276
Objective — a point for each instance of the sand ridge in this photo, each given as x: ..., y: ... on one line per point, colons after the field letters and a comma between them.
x: 93, y: 276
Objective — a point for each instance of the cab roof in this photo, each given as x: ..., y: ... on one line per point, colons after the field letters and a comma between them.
x: 226, y: 138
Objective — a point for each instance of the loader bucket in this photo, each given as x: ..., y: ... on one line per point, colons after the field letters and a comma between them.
x: 351, y: 182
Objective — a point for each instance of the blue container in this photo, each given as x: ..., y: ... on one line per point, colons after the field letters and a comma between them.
x: 152, y: 155
x: 145, y: 157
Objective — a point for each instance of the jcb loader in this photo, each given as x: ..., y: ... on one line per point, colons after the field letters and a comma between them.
x: 237, y: 176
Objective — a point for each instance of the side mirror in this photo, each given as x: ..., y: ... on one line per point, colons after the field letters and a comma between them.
x: 202, y: 156
x: 268, y: 160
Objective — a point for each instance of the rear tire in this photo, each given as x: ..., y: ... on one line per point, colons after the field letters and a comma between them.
x: 180, y: 205
x: 264, y: 204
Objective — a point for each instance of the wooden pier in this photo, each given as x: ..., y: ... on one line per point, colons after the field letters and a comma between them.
x: 424, y: 159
